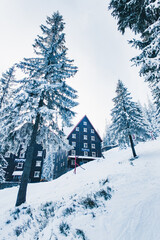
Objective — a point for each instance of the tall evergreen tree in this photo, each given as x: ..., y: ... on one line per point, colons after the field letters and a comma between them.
x: 150, y: 116
x: 6, y: 83
x: 48, y: 164
x: 108, y: 138
x: 143, y: 17
x: 134, y: 14
x: 6, y: 80
x: 45, y: 95
x: 127, y: 120
x: 3, y: 164
x: 149, y: 59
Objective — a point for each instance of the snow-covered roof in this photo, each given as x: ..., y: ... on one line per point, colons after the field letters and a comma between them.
x: 85, y: 157
x: 91, y: 125
x: 17, y: 173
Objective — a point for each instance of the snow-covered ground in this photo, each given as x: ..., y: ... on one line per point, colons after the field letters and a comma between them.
x: 111, y: 199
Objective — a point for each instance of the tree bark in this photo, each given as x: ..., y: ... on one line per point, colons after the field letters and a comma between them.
x: 130, y: 138
x: 132, y: 146
x: 21, y: 197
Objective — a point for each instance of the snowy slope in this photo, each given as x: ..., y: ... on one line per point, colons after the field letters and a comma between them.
x: 109, y: 200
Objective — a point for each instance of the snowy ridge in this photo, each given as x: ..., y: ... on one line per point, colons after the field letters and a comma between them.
x: 109, y: 200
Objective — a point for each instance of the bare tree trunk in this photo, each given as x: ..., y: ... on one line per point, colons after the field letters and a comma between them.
x: 132, y: 146
x: 21, y: 197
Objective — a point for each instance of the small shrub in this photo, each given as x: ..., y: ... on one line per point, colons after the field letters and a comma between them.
x: 81, y: 234
x: 47, y: 204
x: 68, y: 211
x: 29, y: 212
x: 89, y: 203
x: 42, y: 221
x: 48, y: 209
x: 25, y: 207
x: 109, y: 189
x: 18, y: 231
x: 15, y: 214
x: 103, y: 193
x: 28, y: 224
x: 8, y: 221
x: 93, y: 215
x: 64, y: 228
x: 105, y: 181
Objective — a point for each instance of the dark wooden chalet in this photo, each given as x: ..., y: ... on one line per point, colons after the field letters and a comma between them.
x: 86, y: 143
x: 15, y: 166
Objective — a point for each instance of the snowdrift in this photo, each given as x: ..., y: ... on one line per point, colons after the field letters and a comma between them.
x: 112, y: 199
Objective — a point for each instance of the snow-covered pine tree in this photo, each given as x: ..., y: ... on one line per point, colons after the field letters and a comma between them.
x: 45, y: 96
x: 134, y: 14
x: 3, y: 164
x: 6, y: 80
x: 108, y: 139
x: 143, y: 17
x: 48, y: 165
x: 149, y: 111
x: 149, y: 59
x: 127, y: 119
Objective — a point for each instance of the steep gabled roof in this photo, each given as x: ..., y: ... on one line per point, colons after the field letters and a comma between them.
x: 79, y: 123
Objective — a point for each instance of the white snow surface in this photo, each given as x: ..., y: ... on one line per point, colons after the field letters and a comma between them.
x: 56, y: 210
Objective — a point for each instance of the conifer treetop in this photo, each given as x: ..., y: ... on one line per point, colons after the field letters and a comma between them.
x: 43, y: 91
x: 127, y: 118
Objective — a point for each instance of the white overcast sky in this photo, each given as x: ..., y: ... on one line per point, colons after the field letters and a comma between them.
x: 101, y: 53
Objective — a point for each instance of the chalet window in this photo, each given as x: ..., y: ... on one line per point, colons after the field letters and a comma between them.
x: 85, y: 123
x: 74, y: 144
x: 93, y: 145
x: 73, y: 152
x: 36, y: 174
x: 93, y: 154
x: 56, y: 168
x: 23, y: 146
x: 39, y: 154
x: 7, y: 154
x: 38, y: 163
x: 85, y: 137
x: 23, y: 143
x: 77, y: 129
x: 73, y: 135
x: 92, y: 138
x: 85, y: 153
x: 19, y: 165
x: 85, y: 145
x: 84, y: 129
x: 22, y: 154
x: 72, y: 162
x: 92, y: 130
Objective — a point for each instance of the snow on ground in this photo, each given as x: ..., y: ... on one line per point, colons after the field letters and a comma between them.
x: 110, y: 200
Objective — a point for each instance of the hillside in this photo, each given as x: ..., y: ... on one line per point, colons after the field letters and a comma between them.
x: 111, y: 199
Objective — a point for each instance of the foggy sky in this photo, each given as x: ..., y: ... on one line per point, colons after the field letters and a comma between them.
x: 100, y: 52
